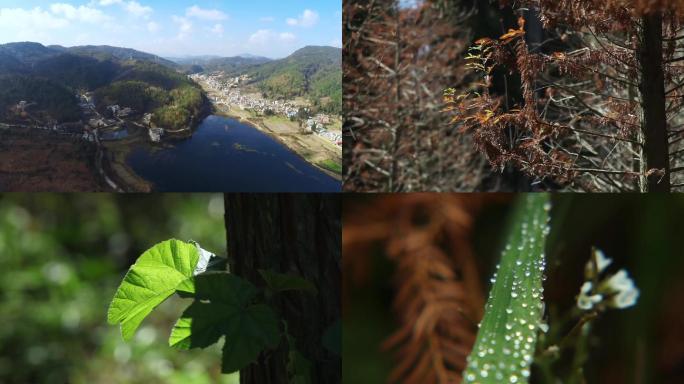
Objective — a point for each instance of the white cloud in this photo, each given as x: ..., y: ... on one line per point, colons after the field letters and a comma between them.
x: 307, y: 19
x: 18, y: 19
x: 260, y: 37
x: 267, y: 19
x: 266, y: 36
x: 287, y: 37
x: 138, y: 10
x: 217, y: 29
x: 184, y: 26
x: 109, y: 2
x: 153, y: 27
x: 205, y: 14
x: 82, y: 13
x: 336, y: 43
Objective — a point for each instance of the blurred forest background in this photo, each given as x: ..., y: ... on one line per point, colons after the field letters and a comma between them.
x: 62, y: 258
x: 416, y: 266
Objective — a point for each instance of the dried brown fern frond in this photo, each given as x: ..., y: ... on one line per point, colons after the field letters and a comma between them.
x: 439, y: 297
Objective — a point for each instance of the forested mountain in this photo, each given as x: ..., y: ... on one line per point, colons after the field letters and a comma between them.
x: 227, y: 64
x: 300, y: 73
x: 27, y: 53
x: 105, y: 52
x: 50, y: 77
x: 55, y: 100
x: 313, y: 71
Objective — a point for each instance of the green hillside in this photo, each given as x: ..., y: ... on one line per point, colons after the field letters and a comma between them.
x: 51, y: 98
x: 76, y: 72
x: 27, y: 52
x: 147, y: 87
x: 105, y: 52
x: 229, y: 65
x: 51, y: 77
x: 314, y: 72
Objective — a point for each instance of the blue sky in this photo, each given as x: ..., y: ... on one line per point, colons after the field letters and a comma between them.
x: 270, y: 28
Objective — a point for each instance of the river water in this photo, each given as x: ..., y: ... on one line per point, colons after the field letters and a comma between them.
x: 226, y: 155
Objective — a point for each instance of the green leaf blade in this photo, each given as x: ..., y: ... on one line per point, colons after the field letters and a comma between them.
x: 151, y: 280
x: 505, y: 344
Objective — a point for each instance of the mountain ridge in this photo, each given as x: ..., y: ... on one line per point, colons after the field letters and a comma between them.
x: 117, y: 75
x: 311, y: 71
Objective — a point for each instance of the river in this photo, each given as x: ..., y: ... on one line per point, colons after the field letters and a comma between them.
x: 226, y: 155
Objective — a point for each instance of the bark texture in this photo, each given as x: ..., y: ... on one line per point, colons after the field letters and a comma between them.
x: 298, y: 234
x: 652, y: 90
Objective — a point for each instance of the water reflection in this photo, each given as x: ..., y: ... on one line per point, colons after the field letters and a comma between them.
x: 229, y: 156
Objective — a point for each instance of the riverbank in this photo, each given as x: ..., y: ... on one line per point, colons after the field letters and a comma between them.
x: 117, y: 168
x: 314, y: 149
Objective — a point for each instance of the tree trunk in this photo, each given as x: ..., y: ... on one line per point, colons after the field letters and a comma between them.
x: 652, y: 88
x: 298, y: 234
x: 398, y: 109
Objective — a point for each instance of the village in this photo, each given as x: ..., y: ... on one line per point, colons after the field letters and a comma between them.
x: 94, y: 126
x: 112, y: 125
x: 230, y: 95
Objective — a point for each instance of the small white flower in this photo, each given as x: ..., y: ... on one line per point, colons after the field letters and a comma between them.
x: 626, y: 294
x: 587, y: 302
x: 625, y: 299
x: 618, y: 282
x: 599, y: 260
x: 619, y: 288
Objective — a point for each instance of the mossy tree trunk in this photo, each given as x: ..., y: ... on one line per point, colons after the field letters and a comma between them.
x: 298, y: 234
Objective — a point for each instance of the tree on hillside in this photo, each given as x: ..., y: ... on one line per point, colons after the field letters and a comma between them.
x: 398, y: 58
x: 602, y: 95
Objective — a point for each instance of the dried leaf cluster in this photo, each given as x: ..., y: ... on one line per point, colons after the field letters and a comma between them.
x: 602, y: 90
x: 439, y: 295
x: 397, y: 62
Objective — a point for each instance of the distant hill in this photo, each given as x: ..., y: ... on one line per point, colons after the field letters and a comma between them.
x: 312, y: 71
x: 46, y: 75
x: 226, y: 64
x: 105, y: 52
x: 28, y: 52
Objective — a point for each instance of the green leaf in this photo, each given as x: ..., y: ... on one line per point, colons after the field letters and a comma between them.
x: 223, y: 307
x: 248, y: 333
x: 505, y: 343
x: 279, y: 282
x: 154, y: 277
x: 202, y: 324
